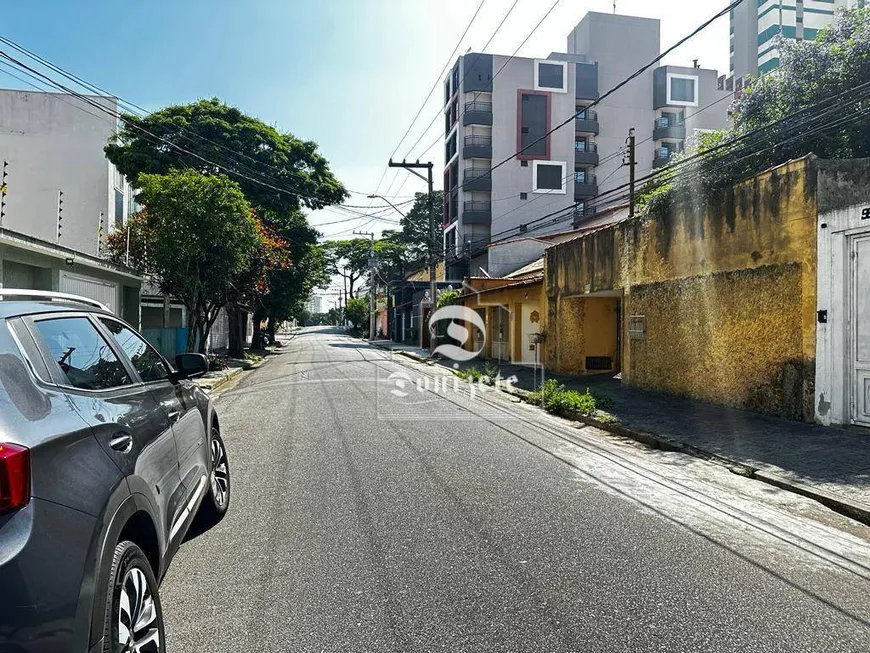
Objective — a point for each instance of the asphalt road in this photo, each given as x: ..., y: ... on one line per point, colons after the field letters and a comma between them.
x: 368, y: 515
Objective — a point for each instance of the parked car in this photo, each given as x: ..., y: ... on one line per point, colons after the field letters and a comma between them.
x: 108, y: 454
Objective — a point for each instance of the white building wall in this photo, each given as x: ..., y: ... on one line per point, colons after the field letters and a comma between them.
x: 55, y: 142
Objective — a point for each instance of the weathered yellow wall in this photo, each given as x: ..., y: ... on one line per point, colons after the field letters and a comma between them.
x: 729, y: 294
x: 584, y: 326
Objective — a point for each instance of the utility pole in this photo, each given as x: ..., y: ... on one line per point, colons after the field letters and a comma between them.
x: 373, y: 295
x: 632, y: 165
x: 433, y: 286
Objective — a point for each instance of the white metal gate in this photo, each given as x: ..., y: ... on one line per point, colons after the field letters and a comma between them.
x: 102, y: 291
x: 860, y: 336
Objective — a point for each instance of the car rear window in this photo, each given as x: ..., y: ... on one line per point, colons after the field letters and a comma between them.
x: 82, y: 354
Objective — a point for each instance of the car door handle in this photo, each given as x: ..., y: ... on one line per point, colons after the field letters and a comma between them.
x: 174, y: 416
x: 122, y: 442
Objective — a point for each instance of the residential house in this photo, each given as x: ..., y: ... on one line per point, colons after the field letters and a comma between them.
x: 61, y: 197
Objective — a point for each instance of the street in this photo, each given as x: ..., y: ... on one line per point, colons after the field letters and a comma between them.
x: 479, y: 524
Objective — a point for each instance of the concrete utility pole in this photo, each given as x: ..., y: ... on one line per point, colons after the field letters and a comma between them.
x: 373, y: 296
x: 433, y: 286
x: 632, y: 165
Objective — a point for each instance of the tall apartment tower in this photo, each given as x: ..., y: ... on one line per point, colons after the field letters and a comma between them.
x: 506, y: 176
x: 755, y: 26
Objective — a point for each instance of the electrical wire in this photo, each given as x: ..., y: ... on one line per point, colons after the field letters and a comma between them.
x: 440, y: 112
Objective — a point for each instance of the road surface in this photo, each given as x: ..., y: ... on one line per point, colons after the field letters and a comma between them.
x: 370, y: 515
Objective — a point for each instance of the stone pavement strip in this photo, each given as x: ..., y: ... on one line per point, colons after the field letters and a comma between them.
x: 829, y: 465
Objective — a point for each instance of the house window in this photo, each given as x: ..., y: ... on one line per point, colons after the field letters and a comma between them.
x: 533, y: 119
x: 551, y: 76
x: 119, y: 209
x: 524, y: 164
x: 682, y: 90
x: 524, y: 196
x: 548, y: 177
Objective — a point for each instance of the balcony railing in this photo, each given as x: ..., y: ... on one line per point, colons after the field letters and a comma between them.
x: 476, y: 105
x: 586, y: 114
x: 478, y: 141
x: 477, y: 206
x: 585, y: 146
x: 663, y: 155
x: 476, y: 173
x: 583, y: 177
x: 666, y: 121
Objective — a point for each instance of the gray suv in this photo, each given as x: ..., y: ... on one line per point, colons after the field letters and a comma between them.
x: 108, y: 454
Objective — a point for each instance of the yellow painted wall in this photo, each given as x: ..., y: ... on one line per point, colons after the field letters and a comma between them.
x: 728, y: 292
x: 512, y: 298
x: 584, y: 326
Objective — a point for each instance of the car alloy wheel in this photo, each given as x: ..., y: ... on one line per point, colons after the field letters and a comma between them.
x: 220, y: 474
x: 138, y: 630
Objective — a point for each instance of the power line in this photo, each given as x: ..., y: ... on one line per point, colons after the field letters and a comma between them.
x: 620, y: 85
x: 747, y: 151
x: 137, y: 127
x: 462, y: 83
x: 429, y: 95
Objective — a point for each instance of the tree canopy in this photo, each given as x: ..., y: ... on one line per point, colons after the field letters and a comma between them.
x: 196, y: 236
x: 211, y: 131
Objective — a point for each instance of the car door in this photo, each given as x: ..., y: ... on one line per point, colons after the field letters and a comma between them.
x: 175, y: 397
x: 122, y: 412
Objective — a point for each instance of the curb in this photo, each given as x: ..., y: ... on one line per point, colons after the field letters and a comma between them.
x: 212, y: 384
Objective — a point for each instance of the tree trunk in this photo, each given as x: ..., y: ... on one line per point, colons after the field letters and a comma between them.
x: 258, y: 341
x: 236, y: 319
x: 270, y: 330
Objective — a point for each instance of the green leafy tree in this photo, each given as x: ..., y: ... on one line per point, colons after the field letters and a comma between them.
x: 348, y: 259
x: 414, y: 233
x: 278, y: 173
x: 196, y: 236
x: 357, y: 312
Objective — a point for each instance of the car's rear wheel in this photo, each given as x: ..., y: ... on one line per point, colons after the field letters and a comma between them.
x: 214, y: 505
x: 134, y: 616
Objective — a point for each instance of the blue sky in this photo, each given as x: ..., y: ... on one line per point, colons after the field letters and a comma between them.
x: 349, y: 74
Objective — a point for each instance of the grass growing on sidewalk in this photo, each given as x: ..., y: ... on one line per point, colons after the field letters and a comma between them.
x: 558, y: 399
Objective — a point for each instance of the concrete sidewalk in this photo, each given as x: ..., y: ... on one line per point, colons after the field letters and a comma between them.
x: 828, y: 464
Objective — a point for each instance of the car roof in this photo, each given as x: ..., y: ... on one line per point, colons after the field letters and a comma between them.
x: 15, y: 308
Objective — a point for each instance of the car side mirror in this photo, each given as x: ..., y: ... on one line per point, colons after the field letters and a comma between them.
x: 191, y: 366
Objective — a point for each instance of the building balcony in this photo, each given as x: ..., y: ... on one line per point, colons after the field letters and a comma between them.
x: 477, y: 179
x: 586, y: 122
x: 476, y: 212
x: 586, y: 153
x: 669, y: 129
x: 585, y: 186
x: 582, y: 213
x: 479, y: 147
x: 477, y: 113
x: 662, y: 156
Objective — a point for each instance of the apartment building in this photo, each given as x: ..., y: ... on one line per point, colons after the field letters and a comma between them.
x: 62, y: 197
x: 507, y: 176
x: 755, y: 26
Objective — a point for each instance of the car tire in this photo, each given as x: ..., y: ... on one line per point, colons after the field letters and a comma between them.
x: 216, y: 502
x: 134, y: 614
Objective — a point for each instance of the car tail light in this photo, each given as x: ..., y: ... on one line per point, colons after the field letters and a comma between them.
x: 14, y: 477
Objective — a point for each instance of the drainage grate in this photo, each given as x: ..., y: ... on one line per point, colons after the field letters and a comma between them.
x: 599, y: 363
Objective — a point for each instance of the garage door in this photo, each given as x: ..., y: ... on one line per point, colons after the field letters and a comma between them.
x: 102, y: 291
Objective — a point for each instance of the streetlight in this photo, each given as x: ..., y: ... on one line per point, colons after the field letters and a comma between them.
x: 381, y: 197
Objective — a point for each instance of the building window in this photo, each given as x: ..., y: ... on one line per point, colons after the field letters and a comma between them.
x: 119, y: 209
x: 524, y: 164
x: 524, y: 196
x: 548, y: 177
x: 551, y: 76
x: 682, y: 90
x: 533, y: 126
